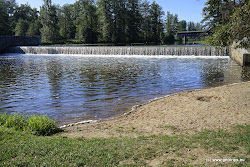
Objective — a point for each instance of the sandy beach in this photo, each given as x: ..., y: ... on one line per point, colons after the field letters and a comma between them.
x: 186, y: 112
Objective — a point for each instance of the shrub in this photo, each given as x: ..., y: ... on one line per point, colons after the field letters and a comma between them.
x: 16, y: 121
x: 38, y: 125
x: 41, y: 125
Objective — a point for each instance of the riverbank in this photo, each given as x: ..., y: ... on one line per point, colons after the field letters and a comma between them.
x: 188, y: 112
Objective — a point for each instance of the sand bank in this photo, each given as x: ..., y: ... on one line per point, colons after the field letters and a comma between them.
x: 186, y: 112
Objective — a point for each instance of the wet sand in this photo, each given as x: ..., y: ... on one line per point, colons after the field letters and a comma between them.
x: 186, y: 112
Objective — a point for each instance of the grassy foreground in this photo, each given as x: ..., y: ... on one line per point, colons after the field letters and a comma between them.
x: 19, y: 148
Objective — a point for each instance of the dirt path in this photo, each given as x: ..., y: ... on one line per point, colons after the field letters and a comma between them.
x: 186, y: 112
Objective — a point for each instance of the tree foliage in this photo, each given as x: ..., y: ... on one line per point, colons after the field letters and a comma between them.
x: 91, y: 21
x: 119, y: 21
x: 156, y: 14
x: 229, y: 20
x: 182, y: 25
x: 4, y: 18
x: 171, y: 28
x: 49, y: 20
x: 34, y: 28
x: 105, y: 20
x: 128, y: 21
x: 86, y: 22
x: 21, y: 27
x: 133, y: 21
x: 26, y: 21
x: 66, y: 22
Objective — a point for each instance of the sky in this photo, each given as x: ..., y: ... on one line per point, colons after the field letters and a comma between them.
x: 189, y: 10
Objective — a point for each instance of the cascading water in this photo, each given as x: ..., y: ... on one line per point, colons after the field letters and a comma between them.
x: 124, y: 50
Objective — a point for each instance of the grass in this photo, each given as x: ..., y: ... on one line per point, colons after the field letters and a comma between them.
x: 35, y: 124
x: 18, y: 148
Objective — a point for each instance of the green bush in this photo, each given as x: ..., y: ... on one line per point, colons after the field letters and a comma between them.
x: 16, y: 121
x: 38, y: 125
x: 41, y: 125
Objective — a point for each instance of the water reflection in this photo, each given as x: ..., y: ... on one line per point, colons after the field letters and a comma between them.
x: 215, y: 74
x: 72, y: 88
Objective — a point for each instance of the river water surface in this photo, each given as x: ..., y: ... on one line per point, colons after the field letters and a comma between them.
x: 73, y: 88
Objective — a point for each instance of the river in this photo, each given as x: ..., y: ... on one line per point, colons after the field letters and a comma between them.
x: 72, y: 88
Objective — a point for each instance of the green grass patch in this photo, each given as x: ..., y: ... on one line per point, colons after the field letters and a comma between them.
x: 18, y: 148
x: 36, y: 124
x: 3, y: 118
x: 225, y: 141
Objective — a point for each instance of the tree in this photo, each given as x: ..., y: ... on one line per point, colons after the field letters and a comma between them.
x: 66, y: 22
x: 11, y: 8
x: 171, y: 28
x: 133, y: 21
x: 232, y: 24
x: 236, y: 30
x: 24, y: 12
x: 35, y: 24
x: 191, y: 26
x: 7, y: 9
x: 4, y: 19
x: 145, y: 21
x: 21, y: 27
x: 198, y: 27
x: 49, y: 20
x: 240, y: 26
x: 156, y: 14
x: 26, y: 20
x: 106, y: 28
x: 218, y: 12
x: 34, y: 28
x: 119, y: 20
x: 86, y: 22
x: 182, y: 25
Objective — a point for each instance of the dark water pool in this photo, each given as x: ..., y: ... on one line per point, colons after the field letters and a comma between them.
x: 75, y: 88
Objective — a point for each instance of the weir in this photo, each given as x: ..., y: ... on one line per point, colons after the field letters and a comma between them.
x: 123, y: 50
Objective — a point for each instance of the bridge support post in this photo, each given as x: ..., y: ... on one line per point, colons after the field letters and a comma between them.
x: 185, y: 39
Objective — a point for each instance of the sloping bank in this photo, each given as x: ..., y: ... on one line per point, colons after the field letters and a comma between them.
x: 187, y: 112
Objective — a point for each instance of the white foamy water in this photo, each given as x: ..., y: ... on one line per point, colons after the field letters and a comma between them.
x: 124, y: 50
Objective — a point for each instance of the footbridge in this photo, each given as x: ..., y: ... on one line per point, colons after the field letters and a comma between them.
x: 7, y: 41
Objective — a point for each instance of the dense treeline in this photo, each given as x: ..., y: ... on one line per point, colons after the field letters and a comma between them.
x: 93, y: 21
x: 230, y: 22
